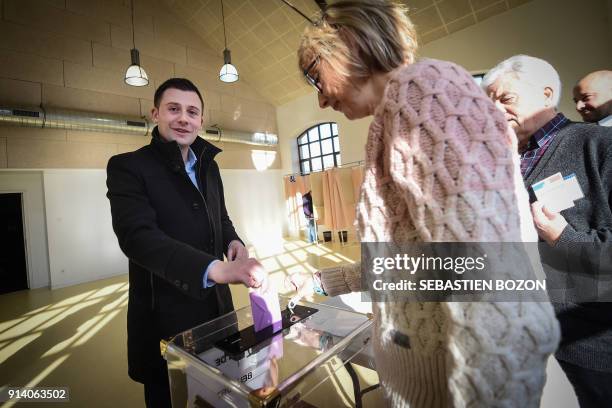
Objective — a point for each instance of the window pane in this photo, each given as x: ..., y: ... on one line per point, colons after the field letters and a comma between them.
x: 313, y: 134
x: 338, y: 162
x: 318, y: 147
x: 326, y: 146
x: 325, y: 130
x: 304, y: 152
x: 328, y: 161
x: 315, y: 149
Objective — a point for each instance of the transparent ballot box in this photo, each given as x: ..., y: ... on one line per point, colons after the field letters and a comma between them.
x: 225, y: 363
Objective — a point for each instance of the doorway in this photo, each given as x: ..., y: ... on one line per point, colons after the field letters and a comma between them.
x: 13, y: 270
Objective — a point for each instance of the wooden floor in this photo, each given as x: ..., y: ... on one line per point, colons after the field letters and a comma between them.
x: 76, y: 336
x: 73, y: 337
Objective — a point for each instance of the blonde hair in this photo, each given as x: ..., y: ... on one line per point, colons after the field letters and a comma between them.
x: 360, y: 37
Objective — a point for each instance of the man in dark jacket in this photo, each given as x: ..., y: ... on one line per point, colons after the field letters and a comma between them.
x: 527, y: 89
x: 169, y: 216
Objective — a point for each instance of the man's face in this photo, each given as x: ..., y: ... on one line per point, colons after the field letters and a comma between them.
x: 179, y: 116
x: 522, y: 104
x: 593, y: 99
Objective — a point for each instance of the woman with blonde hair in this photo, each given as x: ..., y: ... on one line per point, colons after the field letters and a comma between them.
x: 440, y: 166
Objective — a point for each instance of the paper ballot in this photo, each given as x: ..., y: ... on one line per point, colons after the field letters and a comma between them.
x: 557, y: 192
x: 266, y: 307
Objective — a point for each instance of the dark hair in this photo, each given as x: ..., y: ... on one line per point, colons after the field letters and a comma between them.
x: 181, y: 84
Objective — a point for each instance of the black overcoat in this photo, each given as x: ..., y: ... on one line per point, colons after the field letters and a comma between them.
x: 170, y: 232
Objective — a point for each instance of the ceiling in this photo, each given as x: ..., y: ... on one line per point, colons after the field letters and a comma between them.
x: 263, y: 35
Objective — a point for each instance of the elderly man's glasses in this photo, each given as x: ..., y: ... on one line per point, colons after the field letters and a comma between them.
x: 312, y: 80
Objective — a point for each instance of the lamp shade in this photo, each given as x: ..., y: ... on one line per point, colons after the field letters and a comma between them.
x: 228, y: 72
x: 135, y: 74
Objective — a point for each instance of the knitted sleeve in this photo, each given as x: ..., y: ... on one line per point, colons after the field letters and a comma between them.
x: 342, y: 279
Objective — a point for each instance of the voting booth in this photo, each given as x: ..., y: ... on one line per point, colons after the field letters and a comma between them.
x: 226, y: 363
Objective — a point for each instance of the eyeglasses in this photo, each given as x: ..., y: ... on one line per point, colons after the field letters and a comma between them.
x: 311, y: 80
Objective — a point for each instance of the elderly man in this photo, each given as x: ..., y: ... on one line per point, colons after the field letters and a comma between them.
x: 593, y: 97
x: 527, y: 90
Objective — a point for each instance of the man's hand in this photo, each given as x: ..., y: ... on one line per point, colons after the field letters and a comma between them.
x: 247, y: 271
x: 237, y: 251
x: 549, y: 224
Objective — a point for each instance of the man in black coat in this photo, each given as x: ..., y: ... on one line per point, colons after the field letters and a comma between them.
x: 169, y: 215
x: 579, y: 238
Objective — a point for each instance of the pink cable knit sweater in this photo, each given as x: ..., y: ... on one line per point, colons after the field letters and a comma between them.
x: 441, y: 166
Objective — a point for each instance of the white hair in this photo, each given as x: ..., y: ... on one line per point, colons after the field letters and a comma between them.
x: 533, y: 70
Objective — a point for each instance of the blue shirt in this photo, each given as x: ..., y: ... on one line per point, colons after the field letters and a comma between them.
x: 190, y: 168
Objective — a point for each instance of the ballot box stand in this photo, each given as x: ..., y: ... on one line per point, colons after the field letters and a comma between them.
x: 281, y: 369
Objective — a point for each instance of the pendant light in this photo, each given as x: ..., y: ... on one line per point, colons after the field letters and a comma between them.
x: 135, y: 74
x: 228, y: 72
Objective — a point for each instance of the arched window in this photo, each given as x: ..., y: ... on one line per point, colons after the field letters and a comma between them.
x: 318, y: 148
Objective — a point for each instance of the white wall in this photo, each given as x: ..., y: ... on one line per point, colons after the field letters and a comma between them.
x: 73, y: 212
x: 575, y: 36
x: 296, y: 116
x: 30, y: 184
x: 82, y: 244
x: 255, y: 203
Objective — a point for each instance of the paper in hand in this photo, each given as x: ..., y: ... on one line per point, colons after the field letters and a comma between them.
x: 558, y: 193
x: 573, y: 188
x: 265, y: 307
